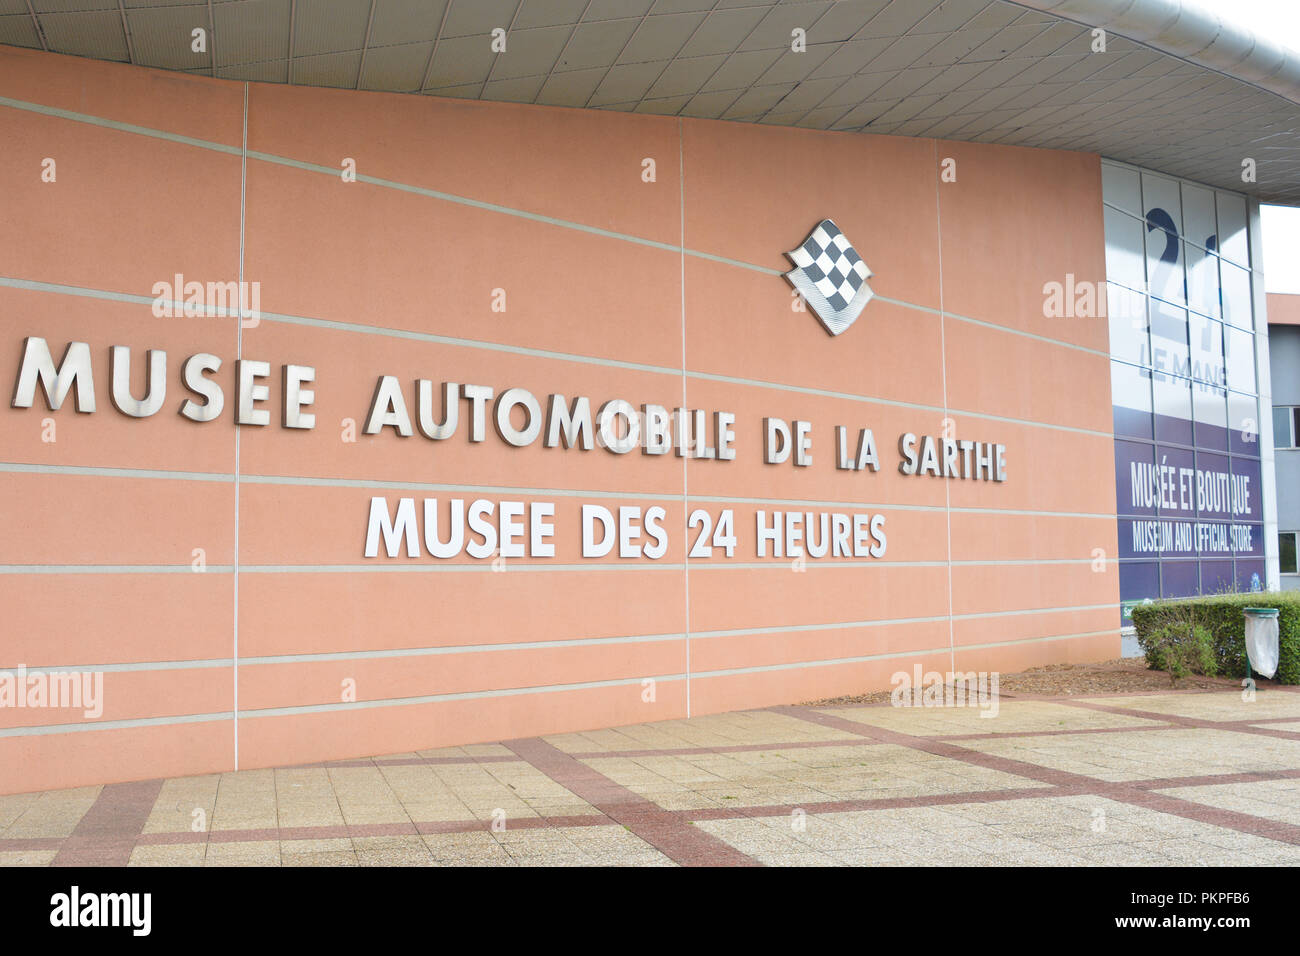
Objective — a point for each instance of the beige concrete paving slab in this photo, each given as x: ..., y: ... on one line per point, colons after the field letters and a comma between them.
x: 27, y: 857
x: 1269, y: 799
x: 245, y: 800
x: 177, y: 854
x: 54, y: 813
x: 243, y: 853
x: 184, y: 803
x: 1292, y: 726
x: 1136, y: 756
x: 1010, y: 716
x: 878, y: 772
x: 719, y: 730
x: 328, y: 858
x: 1216, y: 705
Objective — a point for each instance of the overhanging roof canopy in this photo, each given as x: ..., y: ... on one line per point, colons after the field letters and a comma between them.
x: 1177, y: 89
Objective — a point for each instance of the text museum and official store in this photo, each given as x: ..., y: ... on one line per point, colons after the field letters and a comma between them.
x: 532, y: 432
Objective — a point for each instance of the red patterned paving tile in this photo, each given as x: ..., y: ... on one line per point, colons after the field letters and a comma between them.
x: 108, y: 832
x: 668, y: 833
x: 1120, y: 792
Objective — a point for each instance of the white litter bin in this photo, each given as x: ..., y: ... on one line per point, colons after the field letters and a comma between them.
x: 1261, y: 640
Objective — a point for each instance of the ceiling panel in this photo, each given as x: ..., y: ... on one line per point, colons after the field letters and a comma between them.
x: 406, y: 21
x: 399, y: 67
x: 164, y: 36
x: 251, y: 32
x: 96, y: 34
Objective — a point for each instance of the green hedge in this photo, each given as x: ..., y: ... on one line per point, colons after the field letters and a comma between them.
x: 1223, y: 616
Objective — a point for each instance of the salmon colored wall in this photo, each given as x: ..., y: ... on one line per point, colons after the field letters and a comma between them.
x: 1283, y: 308
x: 666, y: 291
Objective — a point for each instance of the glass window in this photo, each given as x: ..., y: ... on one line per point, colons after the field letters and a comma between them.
x: 1135, y: 480
x: 1177, y: 489
x: 1163, y: 206
x: 1239, y: 349
x: 1243, y: 424
x: 1202, y: 280
x: 1248, y: 539
x: 1130, y: 397
x: 1124, y: 252
x: 1172, y: 401
x: 1179, y: 578
x: 1211, y: 407
x: 1282, y: 419
x: 1164, y: 258
x: 1207, y: 351
x: 1235, y: 293
x: 1198, y: 216
x: 1232, y: 228
x: 1245, y: 492
x: 1120, y: 187
x: 1250, y: 575
x: 1213, y: 489
x: 1286, y: 549
x: 1169, y: 349
x: 1126, y: 310
x: 1217, y: 577
x: 1139, y: 580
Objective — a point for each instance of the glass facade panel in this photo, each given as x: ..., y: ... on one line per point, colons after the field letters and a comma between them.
x: 1250, y: 574
x: 1162, y: 204
x: 1235, y: 293
x: 1130, y: 395
x: 1211, y: 407
x: 1124, y: 250
x: 1179, y: 578
x: 1198, y: 217
x: 1126, y: 311
x: 1243, y: 424
x: 1207, y: 350
x: 1202, y: 280
x: 1122, y: 187
x: 1247, y: 495
x: 1184, y: 388
x: 1169, y: 348
x: 1217, y: 577
x: 1172, y: 401
x: 1135, y: 479
x: 1233, y: 244
x: 1164, y: 260
x: 1239, y: 353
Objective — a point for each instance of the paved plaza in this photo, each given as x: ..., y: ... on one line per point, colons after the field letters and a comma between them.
x: 1172, y: 778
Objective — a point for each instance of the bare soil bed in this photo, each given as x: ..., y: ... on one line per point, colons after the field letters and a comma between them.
x: 1125, y: 675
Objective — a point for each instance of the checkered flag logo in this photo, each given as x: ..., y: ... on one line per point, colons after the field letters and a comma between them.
x: 831, y: 277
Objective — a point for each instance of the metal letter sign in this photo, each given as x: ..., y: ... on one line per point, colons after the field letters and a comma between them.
x: 831, y: 277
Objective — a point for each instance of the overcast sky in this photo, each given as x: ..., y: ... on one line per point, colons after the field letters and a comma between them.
x: 1280, y: 226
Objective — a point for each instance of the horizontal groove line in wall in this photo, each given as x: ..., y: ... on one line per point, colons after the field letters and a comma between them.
x: 53, y: 729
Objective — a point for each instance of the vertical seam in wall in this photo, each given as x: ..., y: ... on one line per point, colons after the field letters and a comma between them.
x: 239, y: 354
x: 943, y: 378
x: 686, y: 573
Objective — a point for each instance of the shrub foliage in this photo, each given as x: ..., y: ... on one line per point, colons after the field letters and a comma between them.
x: 1207, y: 635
